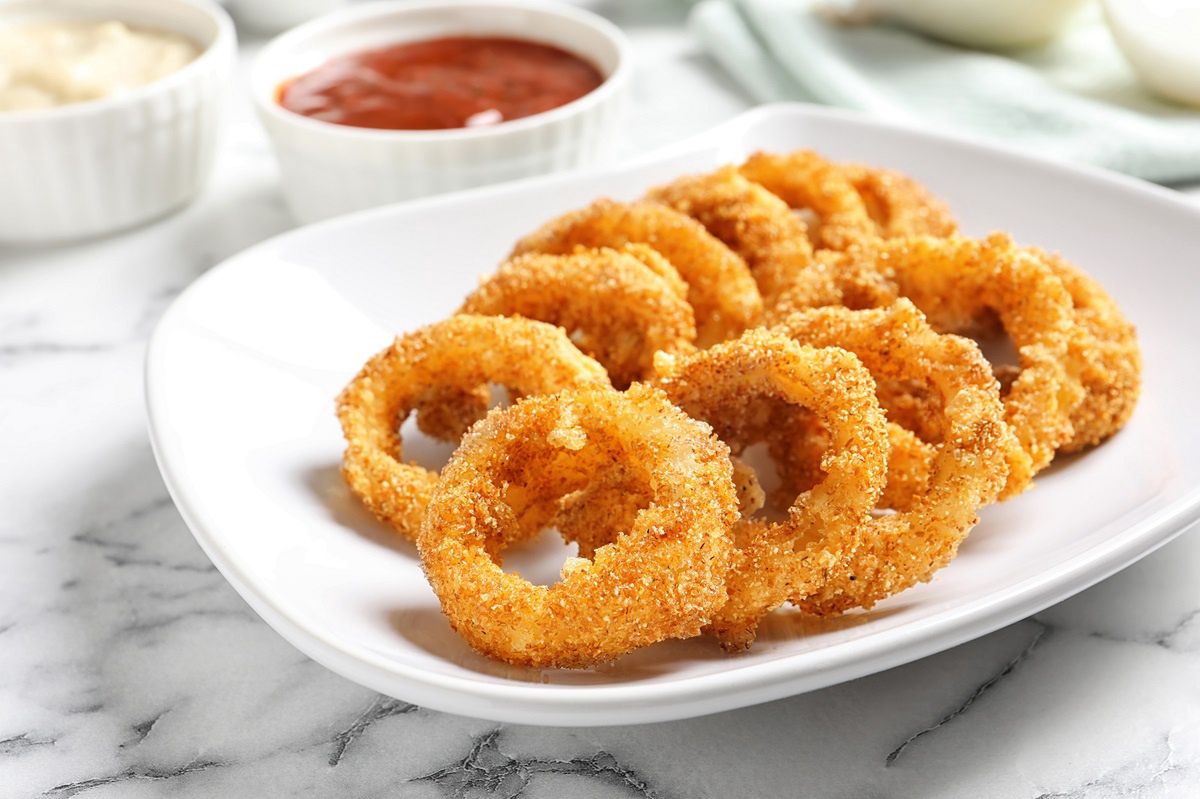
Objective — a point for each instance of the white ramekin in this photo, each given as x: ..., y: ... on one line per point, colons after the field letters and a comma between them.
x: 90, y: 168
x: 331, y: 169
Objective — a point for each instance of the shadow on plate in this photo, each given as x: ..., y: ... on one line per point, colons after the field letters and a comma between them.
x: 344, y: 508
x: 429, y: 630
x: 1000, y: 522
x: 787, y: 624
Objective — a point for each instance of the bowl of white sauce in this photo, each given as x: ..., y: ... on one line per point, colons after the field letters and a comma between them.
x: 109, y: 111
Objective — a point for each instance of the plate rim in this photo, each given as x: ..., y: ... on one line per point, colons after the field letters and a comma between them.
x: 621, y: 703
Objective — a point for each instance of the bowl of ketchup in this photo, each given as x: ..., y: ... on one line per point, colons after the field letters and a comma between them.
x: 391, y: 101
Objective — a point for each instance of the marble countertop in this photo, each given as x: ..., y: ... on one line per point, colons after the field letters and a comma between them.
x: 128, y: 667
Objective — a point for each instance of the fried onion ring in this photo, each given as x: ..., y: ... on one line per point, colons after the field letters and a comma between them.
x: 833, y: 279
x: 461, y: 353
x: 726, y: 386
x: 899, y: 205
x: 963, y: 285
x: 805, y: 180
x: 661, y: 578
x: 797, y: 442
x: 619, y: 306
x: 720, y: 288
x: 968, y: 467
x: 754, y: 223
x: 1112, y: 376
x: 956, y: 281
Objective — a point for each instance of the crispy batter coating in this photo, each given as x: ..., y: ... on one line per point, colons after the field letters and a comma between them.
x: 968, y: 467
x: 619, y: 306
x: 662, y: 578
x: 446, y: 412
x: 720, y: 288
x: 1112, y: 375
x: 754, y: 223
x: 888, y: 429
x: 726, y: 386
x: 957, y: 282
x: 805, y: 180
x: 461, y: 353
x: 899, y: 205
x: 833, y: 279
x: 798, y: 441
x: 913, y: 405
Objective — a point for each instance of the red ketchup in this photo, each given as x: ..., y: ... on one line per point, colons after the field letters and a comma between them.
x: 454, y: 82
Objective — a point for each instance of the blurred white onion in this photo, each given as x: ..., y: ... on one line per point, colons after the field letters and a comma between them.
x: 1161, y: 40
x: 988, y: 24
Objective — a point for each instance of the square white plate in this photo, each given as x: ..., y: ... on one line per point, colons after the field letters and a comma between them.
x: 242, y: 372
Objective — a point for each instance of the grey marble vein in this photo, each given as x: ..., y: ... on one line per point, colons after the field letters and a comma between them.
x: 68, y: 789
x: 1136, y: 778
x: 991, y: 682
x: 488, y: 769
x: 42, y: 349
x: 1168, y: 638
x: 94, y: 535
x: 143, y: 729
x: 157, y: 563
x: 18, y: 743
x: 383, y: 707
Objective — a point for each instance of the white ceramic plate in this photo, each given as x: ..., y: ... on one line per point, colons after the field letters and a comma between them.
x: 243, y: 369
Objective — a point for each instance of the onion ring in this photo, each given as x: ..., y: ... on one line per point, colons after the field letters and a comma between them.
x: 720, y: 288
x: 968, y: 468
x: 833, y: 279
x: 805, y: 180
x: 963, y: 284
x: 798, y: 441
x: 1112, y: 377
x: 754, y: 223
x: 463, y: 353
x: 661, y: 578
x: 726, y: 386
x: 956, y: 281
x: 619, y: 306
x: 899, y: 205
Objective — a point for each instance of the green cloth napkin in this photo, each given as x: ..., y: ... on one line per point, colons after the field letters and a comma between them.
x: 1075, y: 99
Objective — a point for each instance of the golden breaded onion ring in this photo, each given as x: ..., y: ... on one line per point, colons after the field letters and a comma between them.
x: 726, y: 386
x: 805, y: 180
x: 461, y: 353
x: 1112, y: 376
x: 968, y: 467
x: 797, y: 442
x: 661, y: 578
x: 750, y: 220
x: 1104, y: 357
x: 963, y: 285
x: 619, y: 306
x: 833, y: 279
x: 899, y: 205
x: 721, y: 291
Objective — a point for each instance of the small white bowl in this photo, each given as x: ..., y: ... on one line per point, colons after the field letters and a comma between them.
x: 331, y: 169
x: 275, y: 16
x: 90, y: 168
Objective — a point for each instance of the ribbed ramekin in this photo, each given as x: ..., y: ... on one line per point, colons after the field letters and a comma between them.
x: 90, y: 168
x: 330, y: 169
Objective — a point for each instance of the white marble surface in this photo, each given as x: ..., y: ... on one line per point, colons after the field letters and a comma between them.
x: 128, y: 668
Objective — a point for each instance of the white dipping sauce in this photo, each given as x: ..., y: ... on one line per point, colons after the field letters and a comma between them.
x: 55, y: 63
